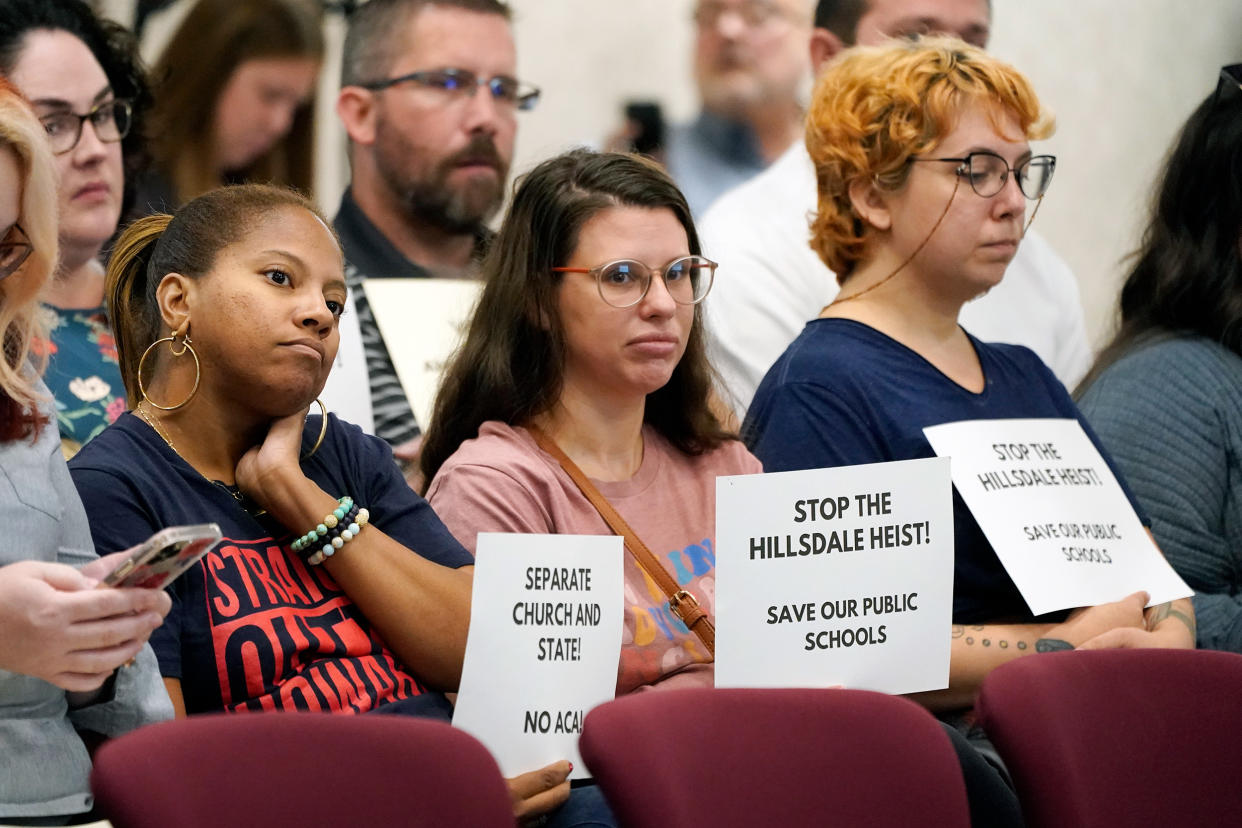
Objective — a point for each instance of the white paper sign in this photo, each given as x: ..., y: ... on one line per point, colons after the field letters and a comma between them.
x: 422, y: 321
x: 1053, y: 511
x: 835, y: 576
x: 544, y: 645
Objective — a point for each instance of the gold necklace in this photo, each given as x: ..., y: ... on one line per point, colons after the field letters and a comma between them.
x: 232, y: 490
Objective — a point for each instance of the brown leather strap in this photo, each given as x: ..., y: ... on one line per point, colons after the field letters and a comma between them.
x: 682, y: 603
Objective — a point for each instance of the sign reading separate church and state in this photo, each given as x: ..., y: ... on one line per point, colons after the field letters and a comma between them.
x: 1054, y: 512
x: 544, y: 644
x: 839, y: 576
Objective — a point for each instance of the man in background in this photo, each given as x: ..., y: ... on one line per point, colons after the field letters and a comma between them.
x: 429, y: 99
x: 770, y: 283
x: 750, y: 64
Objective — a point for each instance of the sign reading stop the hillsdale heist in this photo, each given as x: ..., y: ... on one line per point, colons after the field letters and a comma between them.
x: 839, y: 576
x: 1054, y: 512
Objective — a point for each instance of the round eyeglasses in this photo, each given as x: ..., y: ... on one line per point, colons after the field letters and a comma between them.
x: 15, y: 248
x: 624, y: 282
x: 987, y: 172
x: 111, y: 121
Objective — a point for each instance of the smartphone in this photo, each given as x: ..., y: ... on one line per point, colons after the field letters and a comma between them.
x: 157, y: 561
x: 647, y: 120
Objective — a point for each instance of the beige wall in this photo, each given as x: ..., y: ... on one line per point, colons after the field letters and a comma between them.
x: 1121, y: 75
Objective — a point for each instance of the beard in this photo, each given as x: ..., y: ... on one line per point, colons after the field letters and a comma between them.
x: 428, y: 196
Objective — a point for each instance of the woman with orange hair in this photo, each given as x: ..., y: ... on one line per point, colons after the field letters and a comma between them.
x: 924, y: 171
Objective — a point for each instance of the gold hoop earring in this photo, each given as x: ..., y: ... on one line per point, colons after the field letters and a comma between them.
x: 323, y: 428
x: 198, y: 372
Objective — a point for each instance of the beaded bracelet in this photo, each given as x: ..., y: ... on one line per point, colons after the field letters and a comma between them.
x: 349, y: 527
x: 329, y: 522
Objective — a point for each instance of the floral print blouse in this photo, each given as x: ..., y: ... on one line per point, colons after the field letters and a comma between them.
x: 82, y: 373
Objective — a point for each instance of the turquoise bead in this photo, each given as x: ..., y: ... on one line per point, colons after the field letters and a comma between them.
x: 321, y: 529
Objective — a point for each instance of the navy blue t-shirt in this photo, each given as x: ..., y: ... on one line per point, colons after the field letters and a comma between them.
x: 845, y: 394
x: 252, y: 627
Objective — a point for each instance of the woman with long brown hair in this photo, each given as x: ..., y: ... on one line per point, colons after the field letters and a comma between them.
x: 235, y: 99
x: 586, y: 352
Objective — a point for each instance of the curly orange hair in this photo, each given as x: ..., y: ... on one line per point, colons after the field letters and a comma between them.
x: 876, y: 107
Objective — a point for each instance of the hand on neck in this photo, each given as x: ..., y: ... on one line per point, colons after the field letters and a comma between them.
x: 209, y: 437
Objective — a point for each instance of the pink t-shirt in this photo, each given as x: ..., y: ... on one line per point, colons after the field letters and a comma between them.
x: 502, y: 482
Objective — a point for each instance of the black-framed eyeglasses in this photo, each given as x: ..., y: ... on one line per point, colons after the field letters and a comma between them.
x: 623, y: 283
x: 15, y: 248
x: 987, y: 172
x: 111, y: 121
x: 754, y: 13
x: 459, y: 84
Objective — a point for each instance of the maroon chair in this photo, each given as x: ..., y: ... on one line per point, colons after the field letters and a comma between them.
x: 1120, y: 737
x: 773, y: 757
x: 302, y: 769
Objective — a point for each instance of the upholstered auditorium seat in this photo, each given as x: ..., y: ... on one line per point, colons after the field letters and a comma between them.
x: 1120, y: 737
x: 773, y: 757
x: 299, y: 769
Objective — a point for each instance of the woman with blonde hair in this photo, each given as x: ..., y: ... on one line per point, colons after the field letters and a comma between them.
x: 62, y: 642
x: 235, y: 99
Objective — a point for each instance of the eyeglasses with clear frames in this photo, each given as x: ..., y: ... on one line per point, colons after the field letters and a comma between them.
x: 15, y: 248
x: 461, y: 84
x: 623, y: 283
x: 111, y: 121
x: 987, y: 172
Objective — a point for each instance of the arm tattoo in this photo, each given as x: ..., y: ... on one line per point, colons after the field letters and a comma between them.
x: 1165, y: 610
x: 1052, y: 645
x: 959, y: 631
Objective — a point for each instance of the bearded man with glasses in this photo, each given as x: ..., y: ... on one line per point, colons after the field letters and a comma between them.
x: 430, y: 100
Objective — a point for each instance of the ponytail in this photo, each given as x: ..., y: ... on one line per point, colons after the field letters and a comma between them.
x: 187, y: 243
x: 130, y: 293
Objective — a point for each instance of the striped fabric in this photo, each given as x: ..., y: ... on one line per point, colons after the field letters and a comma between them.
x: 394, y: 420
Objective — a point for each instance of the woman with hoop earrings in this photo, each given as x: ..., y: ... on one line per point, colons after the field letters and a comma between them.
x: 924, y: 172
x: 336, y: 588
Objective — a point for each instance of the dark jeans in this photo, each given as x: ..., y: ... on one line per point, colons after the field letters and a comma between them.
x: 993, y: 802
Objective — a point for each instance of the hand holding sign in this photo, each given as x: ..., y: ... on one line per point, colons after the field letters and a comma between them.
x: 543, y: 649
x: 1054, y: 512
